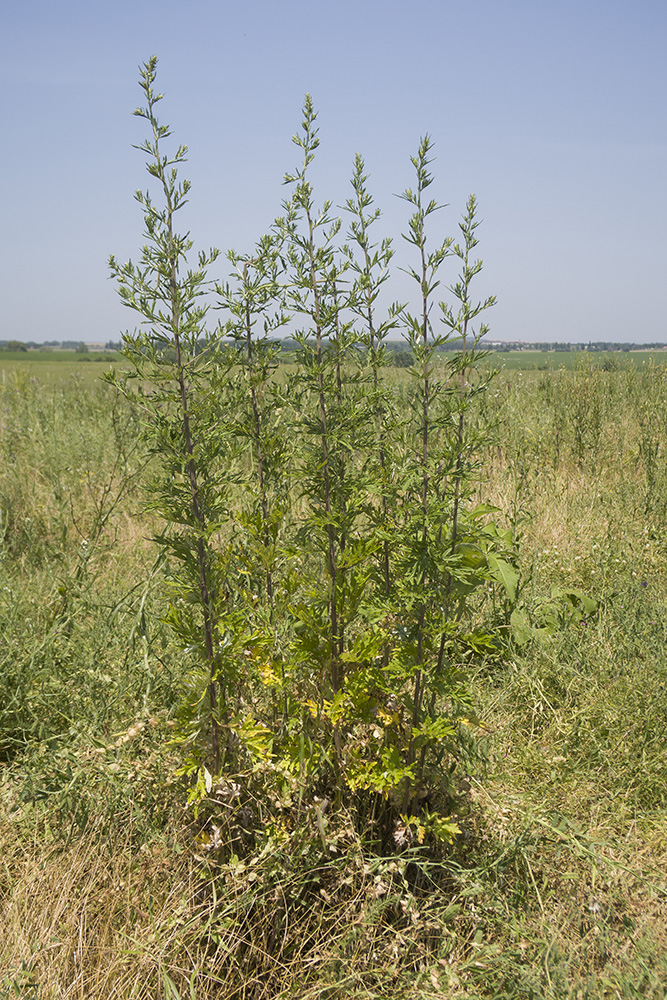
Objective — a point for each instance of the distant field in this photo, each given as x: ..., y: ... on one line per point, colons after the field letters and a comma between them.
x: 53, y: 366
x: 544, y: 360
x: 56, y: 366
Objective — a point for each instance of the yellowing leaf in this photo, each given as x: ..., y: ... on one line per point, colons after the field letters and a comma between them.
x: 269, y: 675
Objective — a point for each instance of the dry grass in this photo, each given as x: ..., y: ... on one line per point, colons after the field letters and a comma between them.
x: 95, y: 919
x: 543, y: 904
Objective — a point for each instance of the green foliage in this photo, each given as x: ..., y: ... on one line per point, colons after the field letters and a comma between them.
x: 176, y: 384
x: 320, y: 554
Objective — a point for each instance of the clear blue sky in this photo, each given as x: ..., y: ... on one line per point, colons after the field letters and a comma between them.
x: 552, y: 112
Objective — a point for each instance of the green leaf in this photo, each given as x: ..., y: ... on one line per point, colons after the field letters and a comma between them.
x: 503, y: 573
x: 577, y: 598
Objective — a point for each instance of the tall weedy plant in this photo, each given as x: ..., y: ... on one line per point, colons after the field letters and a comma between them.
x: 421, y: 571
x: 314, y: 296
x: 338, y: 432
x: 253, y: 302
x: 437, y: 574
x: 177, y: 366
x: 464, y: 367
x: 315, y: 550
x: 369, y: 263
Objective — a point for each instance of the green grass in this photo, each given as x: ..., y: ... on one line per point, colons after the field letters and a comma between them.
x: 54, y: 366
x: 557, y: 885
x: 529, y: 360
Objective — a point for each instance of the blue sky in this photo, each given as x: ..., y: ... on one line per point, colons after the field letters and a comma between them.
x: 552, y: 113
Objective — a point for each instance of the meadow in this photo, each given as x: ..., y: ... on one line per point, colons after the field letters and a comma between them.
x: 534, y: 360
x: 554, y: 886
x: 55, y: 365
x: 50, y: 367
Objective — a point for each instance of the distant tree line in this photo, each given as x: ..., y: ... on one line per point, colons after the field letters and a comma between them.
x: 63, y: 345
x: 398, y: 349
x: 598, y: 345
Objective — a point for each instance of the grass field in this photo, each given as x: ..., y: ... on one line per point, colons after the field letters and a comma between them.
x: 53, y: 365
x: 556, y: 887
x: 528, y: 360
